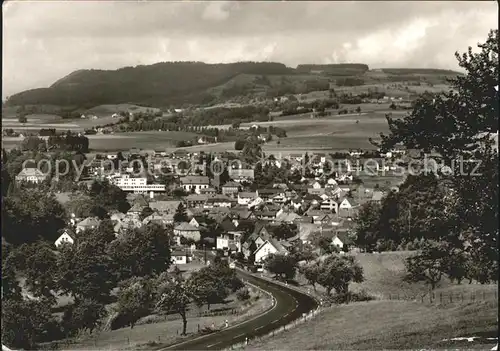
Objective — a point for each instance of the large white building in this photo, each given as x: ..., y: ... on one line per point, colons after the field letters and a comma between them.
x: 137, y: 184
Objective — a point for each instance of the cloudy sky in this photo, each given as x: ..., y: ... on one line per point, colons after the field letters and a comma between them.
x: 46, y: 40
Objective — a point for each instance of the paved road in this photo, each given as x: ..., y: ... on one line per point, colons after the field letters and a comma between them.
x: 290, y: 304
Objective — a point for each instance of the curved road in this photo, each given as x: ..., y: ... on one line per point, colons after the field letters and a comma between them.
x: 290, y: 305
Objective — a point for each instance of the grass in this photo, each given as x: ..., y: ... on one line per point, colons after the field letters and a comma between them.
x: 391, y: 325
x: 399, y: 318
x: 142, y: 140
x: 165, y: 332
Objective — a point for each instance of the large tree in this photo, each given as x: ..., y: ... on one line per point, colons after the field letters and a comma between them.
x: 135, y: 299
x: 173, y: 296
x: 460, y: 126
x: 31, y: 215
x: 141, y: 252
x: 337, y: 272
x: 281, y: 265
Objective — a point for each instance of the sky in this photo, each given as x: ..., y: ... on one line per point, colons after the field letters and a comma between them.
x: 44, y: 41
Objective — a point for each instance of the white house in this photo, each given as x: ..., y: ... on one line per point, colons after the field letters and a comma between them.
x: 347, y: 204
x: 66, y: 237
x: 244, y: 198
x: 269, y: 247
x: 180, y: 257
x: 137, y: 184
x: 32, y: 175
x: 194, y: 183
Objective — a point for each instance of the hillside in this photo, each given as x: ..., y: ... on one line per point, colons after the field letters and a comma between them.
x: 182, y: 83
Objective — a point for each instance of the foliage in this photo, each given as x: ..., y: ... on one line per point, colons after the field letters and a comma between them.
x: 429, y: 264
x: 83, y: 315
x: 31, y: 215
x: 458, y: 125
x: 85, y: 269
x: 285, y: 231
x: 206, y: 288
x: 311, y: 273
x: 180, y: 214
x: 141, y: 252
x: 282, y: 266
x: 24, y: 323
x: 135, y: 299
x: 243, y: 294
x: 337, y: 272
x: 109, y: 196
x: 37, y: 263
x: 173, y: 296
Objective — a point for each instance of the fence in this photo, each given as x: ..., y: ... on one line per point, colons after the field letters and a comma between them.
x: 289, y: 326
x: 448, y: 298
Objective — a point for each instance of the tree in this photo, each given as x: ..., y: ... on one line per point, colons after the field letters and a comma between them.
x: 141, y: 252
x: 281, y: 265
x: 85, y: 269
x: 358, y: 109
x: 83, y: 315
x: 135, y: 299
x: 30, y: 215
x: 206, y: 288
x: 24, y: 323
x: 458, y: 125
x: 337, y: 272
x: 37, y: 263
x: 429, y: 265
x: 236, y: 125
x: 285, y: 231
x: 22, y: 118
x: 239, y: 145
x: 252, y: 151
x: 311, y: 273
x: 109, y: 196
x: 243, y: 294
x: 367, y: 226
x: 180, y: 214
x: 10, y: 285
x: 173, y: 296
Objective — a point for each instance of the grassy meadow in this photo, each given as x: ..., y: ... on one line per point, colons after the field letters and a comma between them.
x: 402, y: 316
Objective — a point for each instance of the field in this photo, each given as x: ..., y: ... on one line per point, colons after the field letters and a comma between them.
x: 399, y: 318
x: 378, y: 325
x: 159, y: 331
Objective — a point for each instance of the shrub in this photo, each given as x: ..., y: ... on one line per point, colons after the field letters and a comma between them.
x: 243, y: 294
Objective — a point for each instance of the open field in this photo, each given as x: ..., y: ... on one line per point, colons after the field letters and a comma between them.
x: 394, y: 325
x: 142, y: 140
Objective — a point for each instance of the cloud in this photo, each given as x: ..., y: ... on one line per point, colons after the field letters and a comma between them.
x: 43, y: 41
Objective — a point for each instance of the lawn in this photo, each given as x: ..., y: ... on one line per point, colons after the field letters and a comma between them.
x: 393, y: 325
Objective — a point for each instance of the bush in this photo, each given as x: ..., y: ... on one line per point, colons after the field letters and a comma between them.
x: 339, y: 299
x: 239, y: 145
x: 243, y: 294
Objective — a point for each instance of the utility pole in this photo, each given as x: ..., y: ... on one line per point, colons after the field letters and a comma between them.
x: 409, y: 220
x: 205, y: 253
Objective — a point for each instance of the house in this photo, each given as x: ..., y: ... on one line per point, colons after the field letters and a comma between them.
x: 348, y: 203
x: 241, y: 174
x: 231, y: 236
x: 67, y: 236
x: 31, y: 175
x: 245, y: 198
x: 165, y: 207
x: 136, y: 210
x: 230, y: 188
x: 160, y: 219
x: 341, y: 239
x: 286, y: 217
x: 208, y: 191
x: 329, y: 205
x: 187, y: 231
x: 194, y: 222
x: 219, y: 201
x: 267, y: 215
x: 194, y: 183
x: 269, y: 247
x: 377, y: 196
x: 196, y: 200
x: 180, y: 257
x: 87, y: 223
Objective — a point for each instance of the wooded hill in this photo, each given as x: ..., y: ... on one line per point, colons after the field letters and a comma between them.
x: 180, y: 83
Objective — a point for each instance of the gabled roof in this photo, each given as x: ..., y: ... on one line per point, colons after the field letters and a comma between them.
x: 277, y: 245
x: 195, y: 180
x: 227, y: 225
x: 141, y: 200
x: 196, y: 197
x: 136, y: 208
x: 231, y: 185
x: 377, y: 196
x: 165, y: 206
x: 89, y: 222
x: 250, y: 195
x: 184, y: 226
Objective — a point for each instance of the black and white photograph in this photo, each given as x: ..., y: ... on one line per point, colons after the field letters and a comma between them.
x: 249, y: 175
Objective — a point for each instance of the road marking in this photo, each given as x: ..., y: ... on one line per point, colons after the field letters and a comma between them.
x: 276, y: 320
x: 286, y: 315
x: 259, y: 327
x: 237, y: 336
x: 214, y: 344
